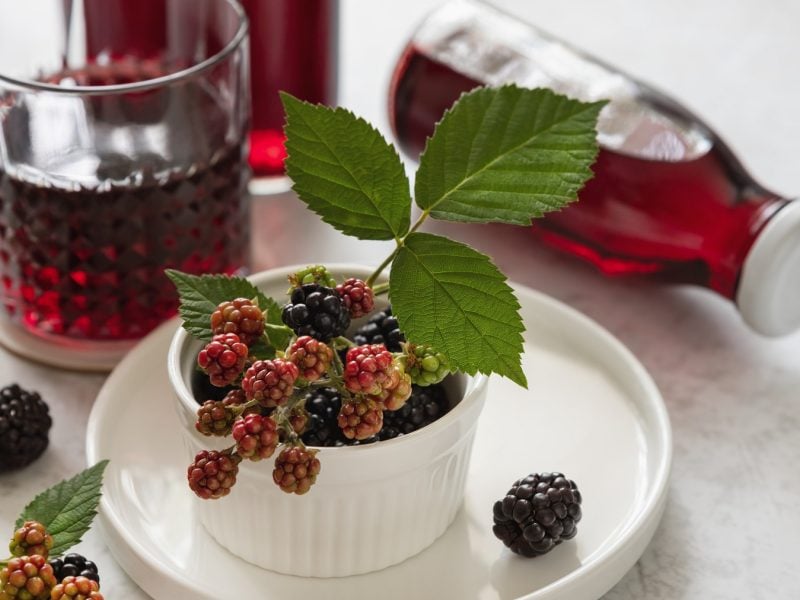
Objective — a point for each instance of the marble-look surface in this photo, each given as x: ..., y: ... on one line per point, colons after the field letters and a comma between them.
x: 730, y: 529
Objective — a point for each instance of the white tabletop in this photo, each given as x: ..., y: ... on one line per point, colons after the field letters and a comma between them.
x: 731, y: 526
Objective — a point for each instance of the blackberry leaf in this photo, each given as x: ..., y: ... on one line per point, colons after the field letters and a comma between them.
x: 68, y: 508
x: 346, y: 171
x: 507, y: 155
x: 452, y: 297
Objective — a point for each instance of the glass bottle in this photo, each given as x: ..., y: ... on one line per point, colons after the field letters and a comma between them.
x: 668, y: 200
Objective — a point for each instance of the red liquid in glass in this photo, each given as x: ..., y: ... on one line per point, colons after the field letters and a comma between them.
x: 292, y: 49
x: 84, y: 255
x: 690, y: 221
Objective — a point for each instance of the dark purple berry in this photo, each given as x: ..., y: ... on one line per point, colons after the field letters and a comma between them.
x: 317, y: 311
x: 538, y: 513
x: 74, y: 565
x: 382, y: 328
x: 24, y: 427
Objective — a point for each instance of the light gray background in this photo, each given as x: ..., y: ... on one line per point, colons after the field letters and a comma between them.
x: 731, y: 525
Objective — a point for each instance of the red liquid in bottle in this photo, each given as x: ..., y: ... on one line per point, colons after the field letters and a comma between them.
x: 292, y: 49
x: 668, y: 198
x: 83, y: 255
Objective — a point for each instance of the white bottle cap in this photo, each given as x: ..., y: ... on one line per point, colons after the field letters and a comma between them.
x: 769, y: 288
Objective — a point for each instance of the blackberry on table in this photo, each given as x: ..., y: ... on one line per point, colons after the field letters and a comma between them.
x: 317, y: 311
x: 538, y: 513
x: 382, y: 328
x: 24, y: 427
x: 74, y: 565
x: 426, y: 405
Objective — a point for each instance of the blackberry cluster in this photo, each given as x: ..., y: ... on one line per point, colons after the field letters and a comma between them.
x: 382, y: 328
x: 24, y: 427
x: 74, y: 565
x: 317, y: 311
x: 538, y: 513
x: 426, y: 405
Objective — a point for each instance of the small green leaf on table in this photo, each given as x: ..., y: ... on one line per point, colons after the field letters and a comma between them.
x: 346, y: 171
x: 507, y: 155
x: 68, y: 508
x: 448, y: 295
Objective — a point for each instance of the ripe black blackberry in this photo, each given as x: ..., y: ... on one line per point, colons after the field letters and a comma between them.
x: 426, y: 405
x: 538, y: 513
x: 382, y: 328
x: 317, y: 311
x: 323, y: 406
x: 74, y: 565
x: 24, y: 427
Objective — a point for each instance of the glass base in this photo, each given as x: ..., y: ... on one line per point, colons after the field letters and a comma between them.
x: 269, y: 186
x: 65, y: 353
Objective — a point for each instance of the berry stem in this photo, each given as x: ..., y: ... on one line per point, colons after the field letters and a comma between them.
x: 343, y: 342
x: 384, y: 264
x: 381, y: 288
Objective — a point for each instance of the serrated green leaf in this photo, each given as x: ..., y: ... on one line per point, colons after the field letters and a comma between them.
x: 277, y: 333
x: 68, y: 508
x: 448, y: 295
x: 345, y: 171
x: 507, y: 155
x: 201, y: 294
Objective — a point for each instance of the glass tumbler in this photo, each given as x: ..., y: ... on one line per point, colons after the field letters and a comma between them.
x: 118, y: 160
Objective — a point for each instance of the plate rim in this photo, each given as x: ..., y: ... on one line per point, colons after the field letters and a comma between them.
x: 637, y: 532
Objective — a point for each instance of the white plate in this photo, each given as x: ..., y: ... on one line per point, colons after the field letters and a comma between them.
x: 592, y: 411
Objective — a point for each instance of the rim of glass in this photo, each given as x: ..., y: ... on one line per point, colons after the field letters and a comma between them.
x: 147, y: 84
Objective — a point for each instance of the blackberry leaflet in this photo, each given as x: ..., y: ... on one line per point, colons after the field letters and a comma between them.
x: 382, y: 328
x: 317, y: 311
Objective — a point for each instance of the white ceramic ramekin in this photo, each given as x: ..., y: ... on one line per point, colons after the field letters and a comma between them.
x: 371, y: 507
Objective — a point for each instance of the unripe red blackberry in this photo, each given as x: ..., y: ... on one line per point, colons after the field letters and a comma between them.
x: 538, y: 513
x: 360, y: 418
x: 270, y: 382
x: 213, y: 474
x: 398, y: 392
x: 317, y: 311
x: 214, y: 418
x: 367, y: 369
x: 235, y: 397
x: 312, y: 357
x: 223, y: 359
x: 357, y: 297
x: 256, y: 437
x: 299, y: 419
x: 296, y: 469
x: 27, y: 578
x: 24, y: 427
x: 32, y: 538
x: 76, y: 588
x: 241, y: 317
